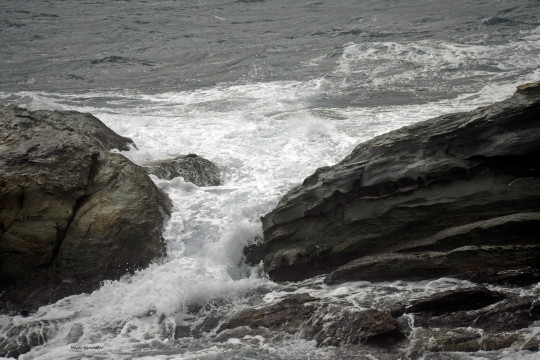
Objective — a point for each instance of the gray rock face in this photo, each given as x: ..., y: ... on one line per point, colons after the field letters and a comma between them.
x: 191, y: 167
x: 72, y: 213
x: 449, y: 195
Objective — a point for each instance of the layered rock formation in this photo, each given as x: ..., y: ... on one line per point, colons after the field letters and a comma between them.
x: 191, y: 167
x: 328, y: 325
x: 72, y: 213
x: 454, y: 194
x: 464, y: 319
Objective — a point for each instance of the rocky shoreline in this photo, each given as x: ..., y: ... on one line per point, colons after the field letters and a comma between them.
x: 468, y: 319
x: 456, y: 194
x: 73, y: 213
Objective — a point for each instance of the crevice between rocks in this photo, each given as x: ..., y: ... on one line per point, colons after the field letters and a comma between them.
x: 61, y: 233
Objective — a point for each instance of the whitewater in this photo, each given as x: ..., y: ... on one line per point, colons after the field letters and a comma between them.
x: 267, y: 133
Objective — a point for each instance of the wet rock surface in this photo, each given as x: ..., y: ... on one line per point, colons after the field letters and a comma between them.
x: 73, y: 213
x: 435, y: 264
x: 191, y: 167
x: 288, y: 315
x: 467, y: 319
x: 468, y: 340
x: 500, y: 322
x: 510, y: 314
x: 456, y: 300
x: 20, y: 339
x: 328, y: 325
x: 455, y: 194
x: 525, y: 276
x: 336, y: 327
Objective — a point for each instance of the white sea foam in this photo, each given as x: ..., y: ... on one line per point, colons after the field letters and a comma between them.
x: 403, y: 66
x: 438, y: 55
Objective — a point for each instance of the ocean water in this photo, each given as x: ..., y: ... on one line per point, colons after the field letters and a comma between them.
x: 269, y: 91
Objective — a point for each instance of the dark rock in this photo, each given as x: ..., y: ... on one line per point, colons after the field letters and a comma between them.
x: 489, y: 328
x: 73, y: 214
x: 461, y: 339
x: 431, y: 264
x: 303, y: 315
x: 287, y: 315
x: 456, y: 300
x: 515, y: 277
x: 344, y: 326
x: 460, y: 180
x: 513, y: 313
x: 192, y: 168
x: 532, y: 344
x: 19, y: 339
x: 182, y: 331
x: 396, y: 310
x: 469, y: 340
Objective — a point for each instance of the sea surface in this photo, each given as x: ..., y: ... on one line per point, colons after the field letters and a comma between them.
x: 269, y: 91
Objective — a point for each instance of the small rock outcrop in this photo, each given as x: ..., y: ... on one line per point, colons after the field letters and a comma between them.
x: 336, y: 327
x: 512, y: 313
x: 288, y: 315
x: 464, y: 319
x: 191, y: 167
x: 328, y: 325
x: 456, y: 194
x: 525, y: 276
x: 72, y: 213
x: 472, y: 319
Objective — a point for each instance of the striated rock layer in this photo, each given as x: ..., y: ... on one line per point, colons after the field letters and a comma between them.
x: 463, y: 319
x: 72, y: 213
x: 305, y: 316
x: 453, y: 194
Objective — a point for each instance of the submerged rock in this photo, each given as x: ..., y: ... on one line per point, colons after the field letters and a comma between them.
x: 450, y: 195
x: 191, y: 167
x: 73, y: 214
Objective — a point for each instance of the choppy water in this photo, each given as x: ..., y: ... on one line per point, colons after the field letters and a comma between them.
x: 268, y: 90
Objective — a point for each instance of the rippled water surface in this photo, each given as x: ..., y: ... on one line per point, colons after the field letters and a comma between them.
x: 269, y: 91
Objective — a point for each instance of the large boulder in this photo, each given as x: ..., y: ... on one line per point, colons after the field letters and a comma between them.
x: 72, y: 213
x: 467, y: 181
x: 191, y: 167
